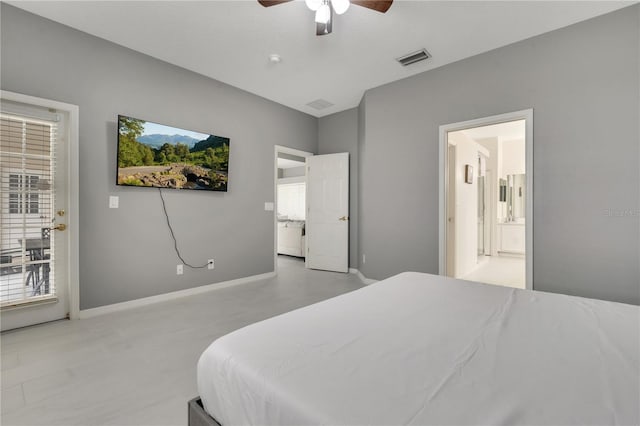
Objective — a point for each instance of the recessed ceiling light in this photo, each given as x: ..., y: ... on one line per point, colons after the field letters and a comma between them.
x: 274, y: 58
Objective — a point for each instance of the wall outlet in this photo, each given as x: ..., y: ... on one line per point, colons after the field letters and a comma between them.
x: 180, y: 269
x: 114, y: 201
x: 364, y: 259
x: 210, y: 264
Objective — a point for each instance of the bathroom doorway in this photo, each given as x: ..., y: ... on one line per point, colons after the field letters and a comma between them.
x: 485, y: 200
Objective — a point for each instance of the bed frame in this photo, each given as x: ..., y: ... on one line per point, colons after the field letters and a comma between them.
x: 197, y: 415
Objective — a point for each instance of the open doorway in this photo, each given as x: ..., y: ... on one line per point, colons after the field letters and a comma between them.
x: 486, y: 204
x: 290, y: 201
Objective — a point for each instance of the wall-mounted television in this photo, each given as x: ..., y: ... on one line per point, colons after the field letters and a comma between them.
x: 159, y: 156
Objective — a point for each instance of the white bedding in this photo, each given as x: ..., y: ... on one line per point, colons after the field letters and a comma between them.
x: 424, y: 349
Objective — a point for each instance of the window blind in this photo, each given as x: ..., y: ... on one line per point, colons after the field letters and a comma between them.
x: 27, y: 172
x: 291, y: 200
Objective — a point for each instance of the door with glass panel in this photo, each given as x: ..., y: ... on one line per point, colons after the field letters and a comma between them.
x: 33, y: 215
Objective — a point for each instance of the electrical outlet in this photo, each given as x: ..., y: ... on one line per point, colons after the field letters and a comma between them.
x: 210, y: 264
x: 180, y: 269
x: 364, y: 259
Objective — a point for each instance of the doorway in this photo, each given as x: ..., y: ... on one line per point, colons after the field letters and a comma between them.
x: 38, y: 217
x: 290, y: 203
x: 486, y: 203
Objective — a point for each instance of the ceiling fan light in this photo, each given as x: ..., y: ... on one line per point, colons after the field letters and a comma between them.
x: 323, y: 14
x: 313, y: 4
x: 340, y: 6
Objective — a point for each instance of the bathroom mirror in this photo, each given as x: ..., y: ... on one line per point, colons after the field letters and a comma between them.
x: 503, y: 190
x: 516, y: 197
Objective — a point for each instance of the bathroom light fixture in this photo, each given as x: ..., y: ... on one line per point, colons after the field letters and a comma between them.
x: 274, y: 58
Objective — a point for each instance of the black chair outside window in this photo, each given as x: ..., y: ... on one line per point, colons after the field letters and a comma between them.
x: 37, y: 253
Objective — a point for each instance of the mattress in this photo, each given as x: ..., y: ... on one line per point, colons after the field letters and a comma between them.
x: 424, y: 349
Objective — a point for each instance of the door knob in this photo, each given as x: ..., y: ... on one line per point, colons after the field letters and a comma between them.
x: 343, y: 218
x: 59, y: 227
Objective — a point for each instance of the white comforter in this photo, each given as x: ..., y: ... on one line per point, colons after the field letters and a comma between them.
x: 424, y: 349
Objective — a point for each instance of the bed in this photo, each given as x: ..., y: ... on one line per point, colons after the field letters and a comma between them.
x: 424, y: 349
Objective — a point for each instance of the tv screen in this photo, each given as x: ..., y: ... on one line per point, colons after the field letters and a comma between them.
x: 159, y: 156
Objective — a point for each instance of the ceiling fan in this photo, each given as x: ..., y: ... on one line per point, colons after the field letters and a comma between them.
x: 324, y: 9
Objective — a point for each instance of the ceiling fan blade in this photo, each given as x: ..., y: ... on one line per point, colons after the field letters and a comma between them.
x: 324, y: 29
x: 377, y: 5
x: 268, y: 3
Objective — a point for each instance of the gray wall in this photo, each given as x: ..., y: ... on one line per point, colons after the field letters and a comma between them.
x: 582, y: 82
x: 362, y: 136
x: 339, y: 133
x: 127, y: 253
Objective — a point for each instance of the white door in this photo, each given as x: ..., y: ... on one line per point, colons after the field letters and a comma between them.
x: 34, y: 212
x: 327, y: 226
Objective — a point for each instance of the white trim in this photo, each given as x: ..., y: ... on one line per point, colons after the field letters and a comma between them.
x: 363, y: 279
x: 137, y: 303
x: 526, y: 115
x: 285, y: 150
x: 72, y: 188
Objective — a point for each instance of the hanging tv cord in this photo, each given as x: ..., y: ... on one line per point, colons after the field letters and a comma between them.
x: 175, y: 242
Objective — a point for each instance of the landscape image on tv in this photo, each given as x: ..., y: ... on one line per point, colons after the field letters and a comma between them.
x: 159, y: 156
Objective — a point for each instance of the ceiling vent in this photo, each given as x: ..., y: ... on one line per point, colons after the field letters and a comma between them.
x: 413, y: 57
x: 320, y: 104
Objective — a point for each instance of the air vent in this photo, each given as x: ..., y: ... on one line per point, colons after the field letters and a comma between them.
x: 320, y: 104
x: 413, y: 57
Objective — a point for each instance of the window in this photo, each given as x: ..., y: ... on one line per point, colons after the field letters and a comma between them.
x: 27, y: 168
x: 291, y: 200
x: 23, y: 195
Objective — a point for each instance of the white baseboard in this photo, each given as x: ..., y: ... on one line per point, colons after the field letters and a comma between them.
x: 116, y: 307
x: 365, y: 280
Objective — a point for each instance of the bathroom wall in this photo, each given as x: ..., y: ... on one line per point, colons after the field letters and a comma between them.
x: 466, y: 203
x: 513, y: 157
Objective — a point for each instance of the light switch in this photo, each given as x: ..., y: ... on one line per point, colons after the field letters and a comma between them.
x: 114, y: 201
x: 268, y: 206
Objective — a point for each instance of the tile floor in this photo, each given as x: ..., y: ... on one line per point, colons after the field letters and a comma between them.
x: 138, y: 367
x: 507, y: 271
